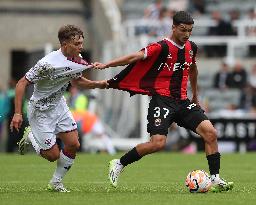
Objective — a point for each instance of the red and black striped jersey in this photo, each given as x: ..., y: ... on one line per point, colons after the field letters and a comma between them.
x: 164, y: 70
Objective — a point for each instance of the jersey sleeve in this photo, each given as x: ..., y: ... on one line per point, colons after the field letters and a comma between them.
x: 194, y: 49
x: 40, y: 71
x: 151, y: 49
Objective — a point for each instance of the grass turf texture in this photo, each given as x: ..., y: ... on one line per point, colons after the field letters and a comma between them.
x: 156, y: 179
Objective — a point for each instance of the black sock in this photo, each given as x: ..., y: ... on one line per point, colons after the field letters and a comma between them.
x: 214, y: 163
x: 130, y: 157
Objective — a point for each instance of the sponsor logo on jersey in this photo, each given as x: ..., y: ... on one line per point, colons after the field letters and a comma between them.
x: 176, y: 66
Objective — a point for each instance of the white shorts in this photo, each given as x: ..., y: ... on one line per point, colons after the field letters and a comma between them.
x: 46, y: 124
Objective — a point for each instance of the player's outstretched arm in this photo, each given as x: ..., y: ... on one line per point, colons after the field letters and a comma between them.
x: 124, y: 60
x: 19, y: 93
x: 89, y: 84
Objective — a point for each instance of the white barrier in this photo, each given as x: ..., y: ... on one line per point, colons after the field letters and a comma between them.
x: 129, y: 26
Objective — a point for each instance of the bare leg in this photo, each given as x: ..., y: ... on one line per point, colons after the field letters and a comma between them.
x: 71, y: 143
x: 206, y: 130
x: 52, y: 154
x: 156, y: 143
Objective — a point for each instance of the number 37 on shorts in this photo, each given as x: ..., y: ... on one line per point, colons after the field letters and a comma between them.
x: 158, y: 112
x: 164, y: 111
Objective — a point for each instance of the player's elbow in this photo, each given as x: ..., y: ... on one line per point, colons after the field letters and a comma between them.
x: 193, y: 73
x: 22, y: 83
x: 135, y: 57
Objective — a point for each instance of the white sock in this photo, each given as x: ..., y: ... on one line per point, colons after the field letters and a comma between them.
x: 64, y: 163
x: 108, y: 143
x: 34, y: 143
x: 215, y: 177
x: 120, y: 164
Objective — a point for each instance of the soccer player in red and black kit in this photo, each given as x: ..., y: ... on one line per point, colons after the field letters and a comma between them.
x: 162, y: 70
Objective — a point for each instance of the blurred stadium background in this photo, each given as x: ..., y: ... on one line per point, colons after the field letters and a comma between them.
x: 224, y: 30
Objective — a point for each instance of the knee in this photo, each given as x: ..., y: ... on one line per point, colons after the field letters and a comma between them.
x: 159, y: 145
x: 74, y: 146
x: 210, y: 136
x: 52, y: 157
x: 77, y: 146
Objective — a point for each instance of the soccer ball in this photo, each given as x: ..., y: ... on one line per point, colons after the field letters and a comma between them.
x: 198, y: 181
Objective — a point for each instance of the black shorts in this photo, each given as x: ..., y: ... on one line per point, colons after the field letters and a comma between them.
x: 163, y: 111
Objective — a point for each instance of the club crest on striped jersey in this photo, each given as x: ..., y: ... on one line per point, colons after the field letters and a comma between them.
x: 191, y: 53
x: 169, y: 56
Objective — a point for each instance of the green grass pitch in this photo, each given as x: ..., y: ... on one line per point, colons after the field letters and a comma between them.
x: 156, y: 179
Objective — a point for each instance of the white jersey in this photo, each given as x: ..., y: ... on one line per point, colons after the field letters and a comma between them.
x: 51, y: 76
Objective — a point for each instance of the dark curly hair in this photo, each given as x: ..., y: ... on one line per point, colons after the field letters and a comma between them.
x: 182, y: 17
x: 67, y: 32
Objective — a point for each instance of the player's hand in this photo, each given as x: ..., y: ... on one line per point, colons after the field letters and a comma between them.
x: 100, y: 66
x: 103, y: 84
x: 16, y: 122
x: 74, y: 82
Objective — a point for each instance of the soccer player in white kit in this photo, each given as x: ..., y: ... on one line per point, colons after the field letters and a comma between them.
x: 48, y: 114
